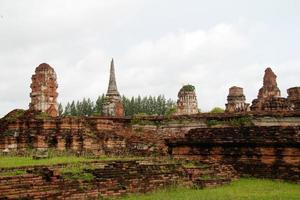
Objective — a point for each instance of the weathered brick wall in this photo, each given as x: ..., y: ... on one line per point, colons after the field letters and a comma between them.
x: 268, y: 140
x: 97, y: 135
x: 107, y: 135
x: 110, y: 179
x: 264, y: 151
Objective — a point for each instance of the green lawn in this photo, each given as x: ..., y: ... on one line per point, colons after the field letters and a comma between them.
x: 15, y: 161
x: 18, y: 161
x: 243, y: 189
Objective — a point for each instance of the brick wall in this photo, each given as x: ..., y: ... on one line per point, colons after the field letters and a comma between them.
x: 267, y: 152
x: 110, y: 179
x: 270, y: 142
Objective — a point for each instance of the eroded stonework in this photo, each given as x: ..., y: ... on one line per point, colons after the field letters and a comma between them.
x: 187, y: 101
x: 294, y: 97
x: 113, y: 105
x: 269, y: 88
x: 236, y: 100
x: 269, y: 97
x: 43, y: 90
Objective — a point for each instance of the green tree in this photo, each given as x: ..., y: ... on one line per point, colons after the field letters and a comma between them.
x: 67, y: 110
x: 60, y: 109
x: 73, y: 110
x: 134, y: 105
x: 217, y: 110
x: 99, y: 105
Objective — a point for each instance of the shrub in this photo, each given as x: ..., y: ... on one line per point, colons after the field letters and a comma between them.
x: 213, y: 122
x: 217, y: 110
x: 188, y: 88
x: 241, y: 121
x: 14, y: 115
x: 171, y: 112
x: 42, y: 115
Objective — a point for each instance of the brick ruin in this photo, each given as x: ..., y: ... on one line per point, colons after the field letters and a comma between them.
x: 43, y: 90
x: 294, y: 97
x: 113, y: 105
x: 236, y: 100
x: 109, y: 179
x: 263, y: 142
x: 269, y: 96
x: 44, y: 95
x: 187, y: 101
x: 258, y: 151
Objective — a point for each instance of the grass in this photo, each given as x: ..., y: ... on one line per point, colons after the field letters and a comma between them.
x: 78, y: 171
x: 238, y: 122
x: 243, y: 189
x: 78, y: 168
x: 13, y: 173
x: 18, y: 161
x: 75, y: 173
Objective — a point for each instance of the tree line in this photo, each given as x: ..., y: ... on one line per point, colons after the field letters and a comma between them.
x: 150, y: 105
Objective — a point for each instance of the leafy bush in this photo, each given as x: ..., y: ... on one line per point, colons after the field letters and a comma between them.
x: 139, y: 119
x: 78, y: 172
x: 188, y: 88
x: 14, y: 115
x: 241, y: 121
x: 217, y: 110
x: 171, y: 111
x: 213, y: 122
x: 42, y: 115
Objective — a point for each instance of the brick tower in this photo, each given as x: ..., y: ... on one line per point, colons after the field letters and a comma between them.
x: 236, y: 100
x: 113, y: 105
x: 187, y: 101
x: 43, y: 90
x: 269, y: 97
x: 294, y: 97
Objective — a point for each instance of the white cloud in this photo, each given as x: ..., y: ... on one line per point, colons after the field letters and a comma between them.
x: 197, y: 57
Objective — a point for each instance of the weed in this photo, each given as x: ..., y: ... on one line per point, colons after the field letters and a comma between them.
x: 13, y: 173
x: 238, y: 122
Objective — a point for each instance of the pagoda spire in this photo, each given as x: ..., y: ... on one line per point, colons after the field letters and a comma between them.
x: 112, y: 86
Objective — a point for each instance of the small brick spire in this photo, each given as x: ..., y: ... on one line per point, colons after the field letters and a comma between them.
x: 112, y: 86
x: 113, y: 105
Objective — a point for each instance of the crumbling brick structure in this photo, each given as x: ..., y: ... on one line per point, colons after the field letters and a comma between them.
x: 236, y: 100
x: 294, y: 97
x: 43, y: 90
x: 262, y: 144
x: 108, y: 179
x: 269, y: 97
x: 187, y: 101
x: 113, y: 105
x: 259, y: 151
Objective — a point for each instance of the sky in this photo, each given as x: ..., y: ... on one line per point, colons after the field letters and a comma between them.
x: 157, y: 45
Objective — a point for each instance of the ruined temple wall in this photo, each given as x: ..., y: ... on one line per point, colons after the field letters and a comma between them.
x: 178, y: 126
x: 108, y: 179
x: 102, y: 135
x: 261, y: 151
x: 95, y: 135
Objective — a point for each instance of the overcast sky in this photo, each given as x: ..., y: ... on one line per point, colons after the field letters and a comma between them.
x: 158, y: 46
